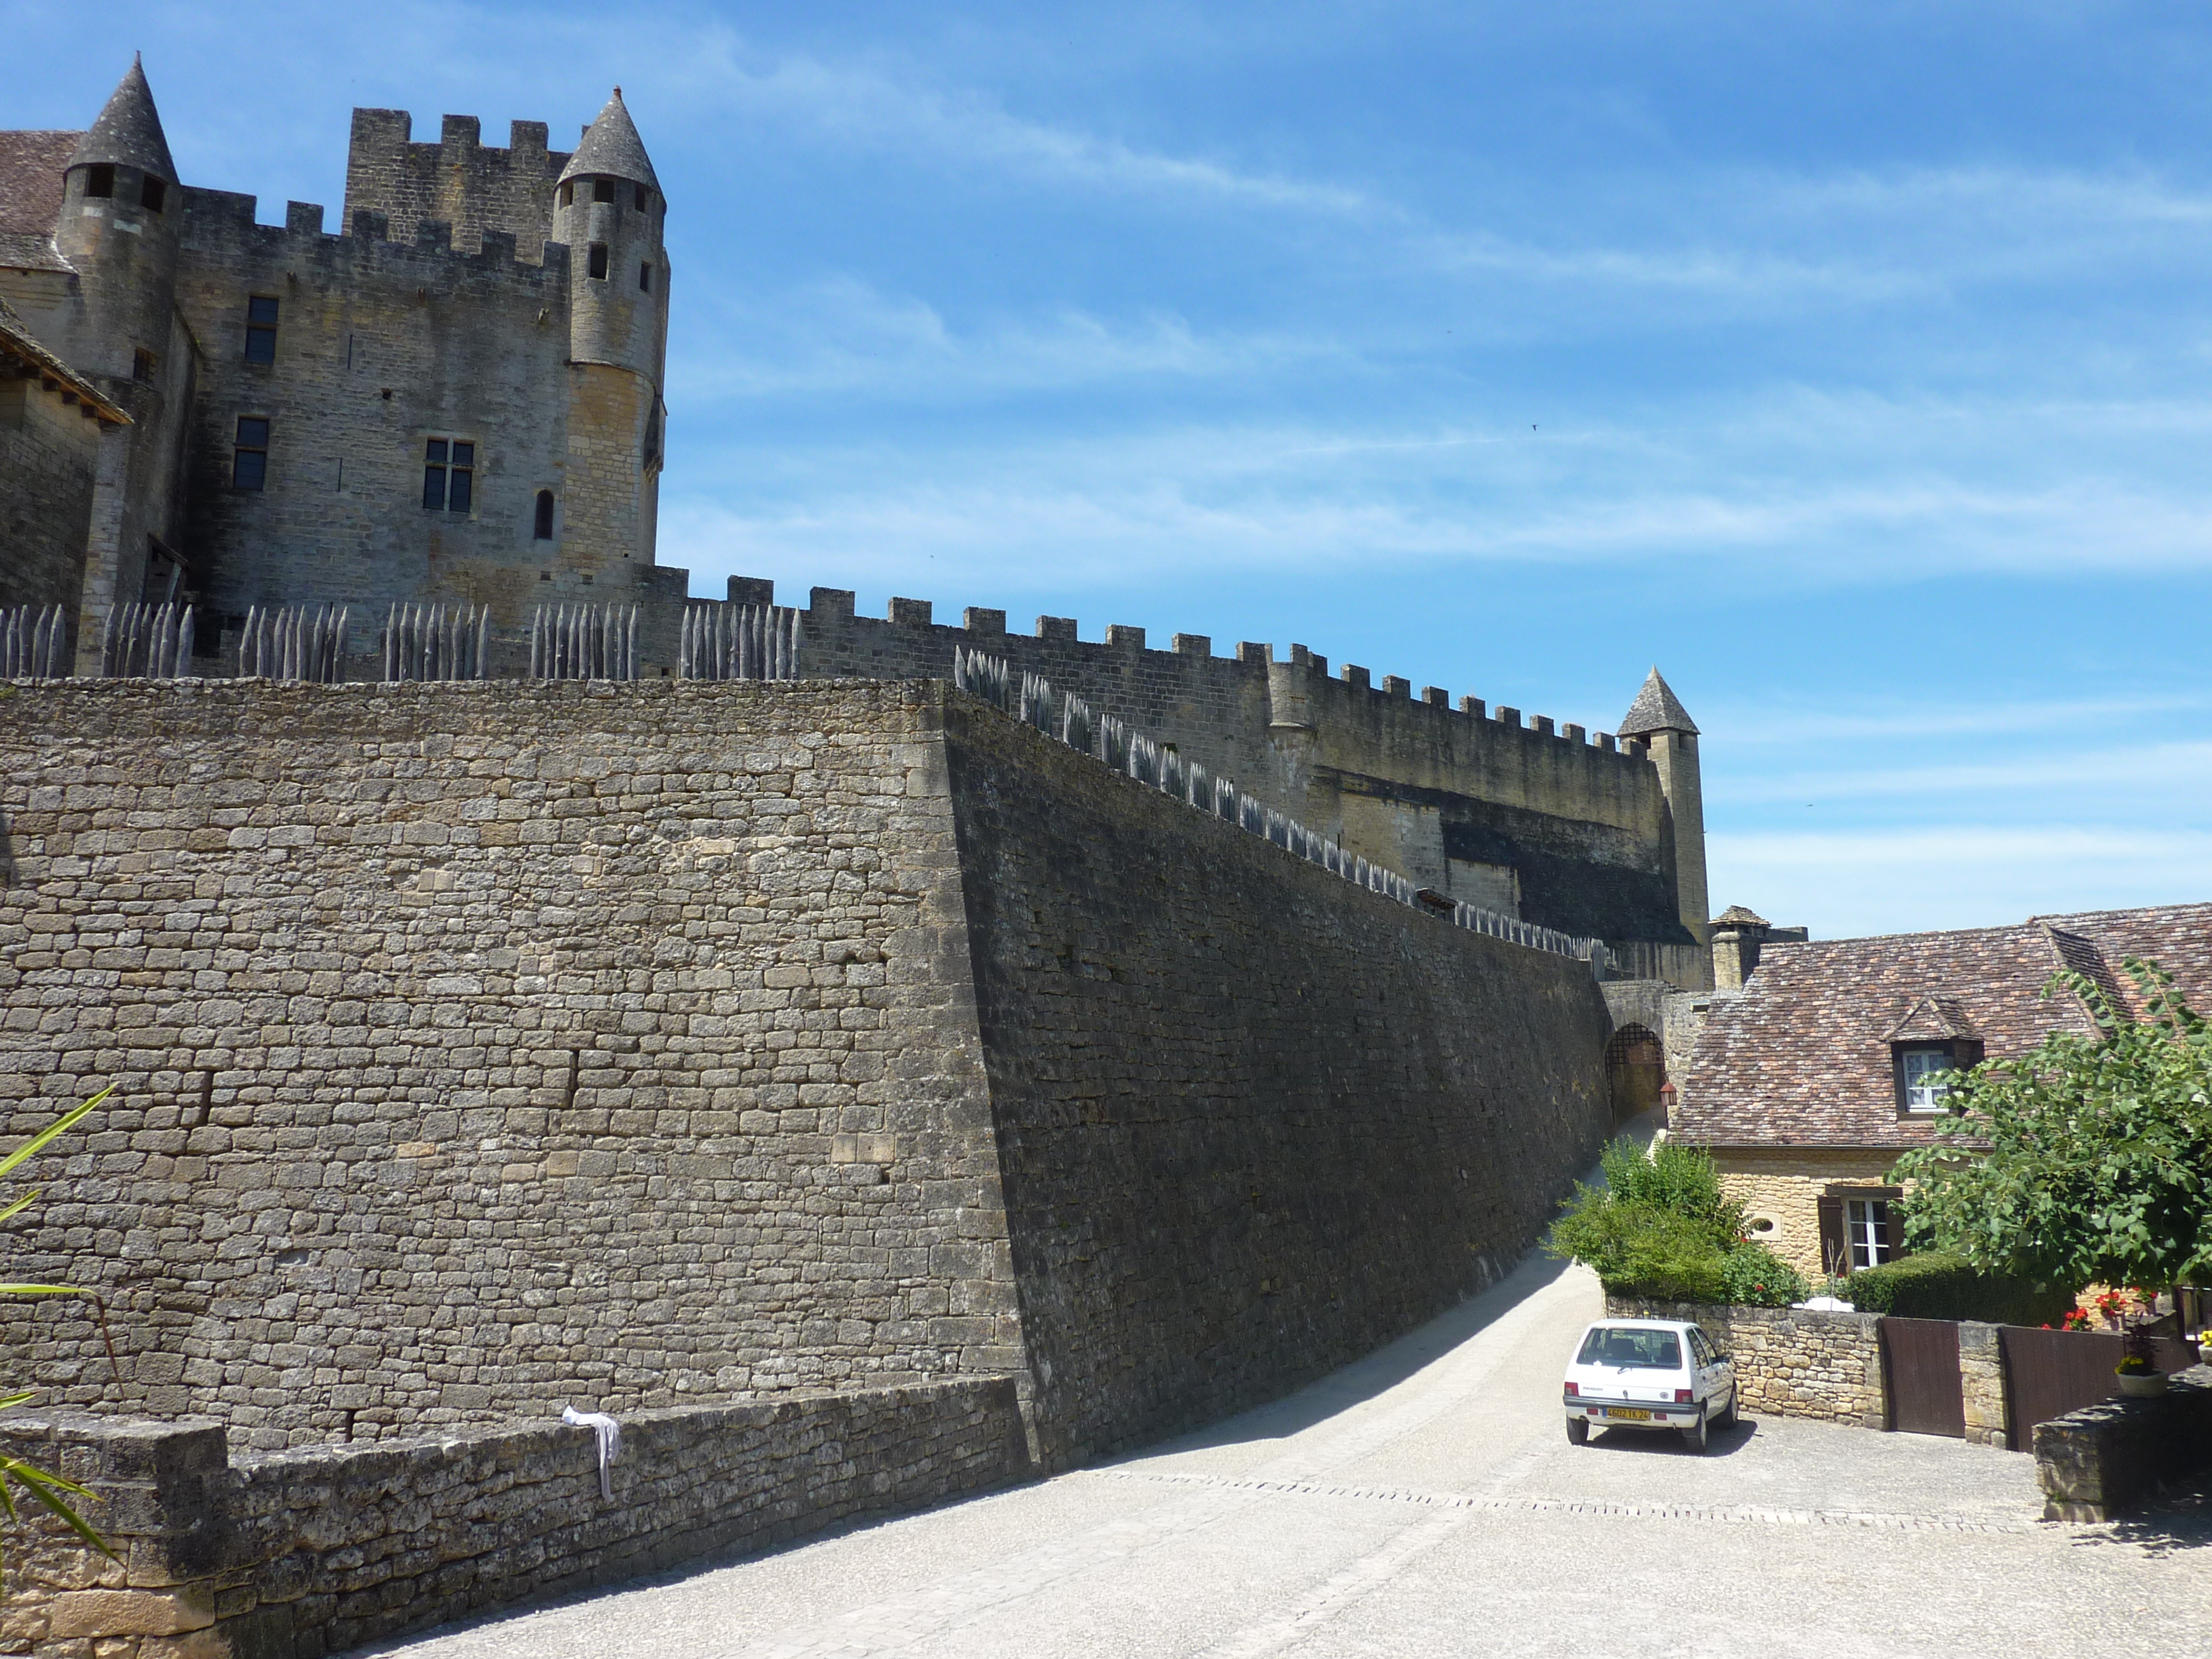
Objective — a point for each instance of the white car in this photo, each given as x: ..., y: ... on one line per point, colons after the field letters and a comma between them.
x: 1648, y: 1373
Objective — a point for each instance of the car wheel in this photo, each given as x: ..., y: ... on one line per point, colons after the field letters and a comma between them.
x: 1578, y: 1431
x: 1697, y: 1438
x: 1726, y: 1419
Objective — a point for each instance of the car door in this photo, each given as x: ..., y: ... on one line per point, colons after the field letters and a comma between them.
x: 1707, y: 1386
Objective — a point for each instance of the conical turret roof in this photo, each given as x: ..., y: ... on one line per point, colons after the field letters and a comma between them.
x: 129, y: 131
x: 610, y: 146
x: 1657, y: 709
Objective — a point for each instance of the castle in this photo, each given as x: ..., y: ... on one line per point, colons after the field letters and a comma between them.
x: 247, y: 421
x: 471, y: 411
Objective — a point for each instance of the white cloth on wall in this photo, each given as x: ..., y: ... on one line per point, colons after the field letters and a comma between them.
x: 606, y: 1432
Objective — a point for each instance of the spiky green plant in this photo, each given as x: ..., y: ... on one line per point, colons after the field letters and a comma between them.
x: 48, y: 1489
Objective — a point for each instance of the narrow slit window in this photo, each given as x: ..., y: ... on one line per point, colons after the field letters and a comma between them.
x: 249, y: 456
x: 645, y: 277
x: 142, y: 365
x: 641, y: 198
x: 599, y: 266
x: 261, y: 329
x: 543, y: 529
x: 603, y: 190
x: 100, y: 181
x: 448, y: 475
x: 153, y: 194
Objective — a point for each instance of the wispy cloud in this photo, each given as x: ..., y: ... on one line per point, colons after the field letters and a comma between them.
x: 2168, y: 771
x: 876, y: 107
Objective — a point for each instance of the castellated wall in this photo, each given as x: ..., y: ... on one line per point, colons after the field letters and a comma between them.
x: 1253, y: 1121
x: 380, y: 345
x: 484, y: 1047
x: 459, y: 180
x: 1533, y: 818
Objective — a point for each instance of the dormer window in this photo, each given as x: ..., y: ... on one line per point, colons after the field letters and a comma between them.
x: 100, y: 181
x: 1921, y: 1069
x: 603, y: 190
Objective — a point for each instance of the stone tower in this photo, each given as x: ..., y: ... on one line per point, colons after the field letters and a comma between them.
x: 1658, y: 719
x: 608, y: 209
x: 120, y: 232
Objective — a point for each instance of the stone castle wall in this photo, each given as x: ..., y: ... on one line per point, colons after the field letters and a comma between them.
x: 1254, y: 1122
x: 478, y: 1047
x: 460, y: 181
x: 482, y: 1047
x: 48, y: 454
x: 294, y: 1555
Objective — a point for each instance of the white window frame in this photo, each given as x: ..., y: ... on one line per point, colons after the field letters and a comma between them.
x: 1866, y: 1232
x: 1916, y: 1067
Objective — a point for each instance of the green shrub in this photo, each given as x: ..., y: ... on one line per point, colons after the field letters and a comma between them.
x: 1658, y: 1228
x: 1754, y: 1277
x: 1939, y: 1285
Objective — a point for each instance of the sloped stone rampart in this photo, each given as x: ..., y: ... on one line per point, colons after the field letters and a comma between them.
x: 2104, y: 1460
x: 1252, y: 1120
x: 1793, y: 1362
x: 295, y: 1554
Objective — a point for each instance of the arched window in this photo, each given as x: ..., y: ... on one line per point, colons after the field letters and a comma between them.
x: 543, y: 532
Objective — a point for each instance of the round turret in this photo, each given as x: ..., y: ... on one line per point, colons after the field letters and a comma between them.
x: 609, y: 209
x: 120, y: 205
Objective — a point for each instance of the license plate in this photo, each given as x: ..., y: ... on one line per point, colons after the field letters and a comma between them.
x: 1628, y: 1413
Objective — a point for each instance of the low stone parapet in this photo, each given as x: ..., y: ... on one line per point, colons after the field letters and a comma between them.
x: 299, y: 1554
x: 1792, y: 1362
x: 2106, y: 1459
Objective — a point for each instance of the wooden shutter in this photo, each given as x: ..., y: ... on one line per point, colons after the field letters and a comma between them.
x: 1835, y: 1254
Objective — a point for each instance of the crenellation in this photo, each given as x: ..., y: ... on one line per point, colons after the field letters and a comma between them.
x: 979, y: 619
x: 304, y: 218
x: 1436, y: 696
x: 1509, y: 717
x: 910, y: 613
x: 1356, y: 677
x: 1397, y: 686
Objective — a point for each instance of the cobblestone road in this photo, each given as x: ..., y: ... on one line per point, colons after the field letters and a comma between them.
x: 1426, y: 1501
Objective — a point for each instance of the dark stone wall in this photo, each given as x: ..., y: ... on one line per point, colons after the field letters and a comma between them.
x: 1252, y: 1120
x: 48, y: 449
x: 294, y: 1555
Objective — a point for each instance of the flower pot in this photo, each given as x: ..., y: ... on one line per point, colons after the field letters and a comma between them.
x: 2204, y: 1353
x: 2142, y: 1385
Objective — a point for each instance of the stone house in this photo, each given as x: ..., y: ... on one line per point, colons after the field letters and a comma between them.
x: 1808, y: 1084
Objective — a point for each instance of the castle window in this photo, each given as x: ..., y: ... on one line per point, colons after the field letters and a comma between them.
x: 645, y: 277
x: 543, y: 529
x: 142, y: 365
x: 569, y: 194
x: 603, y: 190
x: 448, y: 475
x: 100, y: 181
x: 599, y: 264
x: 641, y: 198
x: 152, y: 193
x: 249, y: 459
x: 261, y: 329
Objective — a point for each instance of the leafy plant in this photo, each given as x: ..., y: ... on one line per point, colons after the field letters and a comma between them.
x: 1753, y: 1276
x: 48, y: 1489
x: 1659, y: 1226
x: 2097, y: 1165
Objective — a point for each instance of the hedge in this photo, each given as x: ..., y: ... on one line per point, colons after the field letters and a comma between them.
x: 1938, y: 1285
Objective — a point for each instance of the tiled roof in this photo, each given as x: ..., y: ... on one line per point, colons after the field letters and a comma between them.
x: 16, y: 342
x: 129, y: 130
x: 610, y: 145
x: 1657, y: 709
x: 31, y: 165
x: 1802, y: 1056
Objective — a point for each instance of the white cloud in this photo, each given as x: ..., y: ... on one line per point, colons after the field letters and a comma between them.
x: 2163, y: 771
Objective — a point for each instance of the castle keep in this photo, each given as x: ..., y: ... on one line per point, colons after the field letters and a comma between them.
x: 457, y: 396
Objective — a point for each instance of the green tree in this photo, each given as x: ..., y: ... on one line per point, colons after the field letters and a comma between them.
x: 2087, y: 1159
x: 43, y: 1485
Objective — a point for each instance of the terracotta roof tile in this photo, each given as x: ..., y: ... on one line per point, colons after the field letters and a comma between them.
x: 31, y: 169
x: 1802, y: 1056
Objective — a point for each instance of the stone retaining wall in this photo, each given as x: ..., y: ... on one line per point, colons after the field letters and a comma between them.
x: 1981, y: 1385
x: 1792, y: 1362
x: 2107, y: 1459
x: 295, y: 1554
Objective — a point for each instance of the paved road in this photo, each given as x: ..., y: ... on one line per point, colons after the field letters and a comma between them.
x: 1426, y: 1501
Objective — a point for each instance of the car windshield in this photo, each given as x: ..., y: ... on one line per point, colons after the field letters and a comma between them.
x: 1638, y: 1350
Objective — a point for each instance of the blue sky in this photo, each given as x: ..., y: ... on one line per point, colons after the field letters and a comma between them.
x: 1849, y: 361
